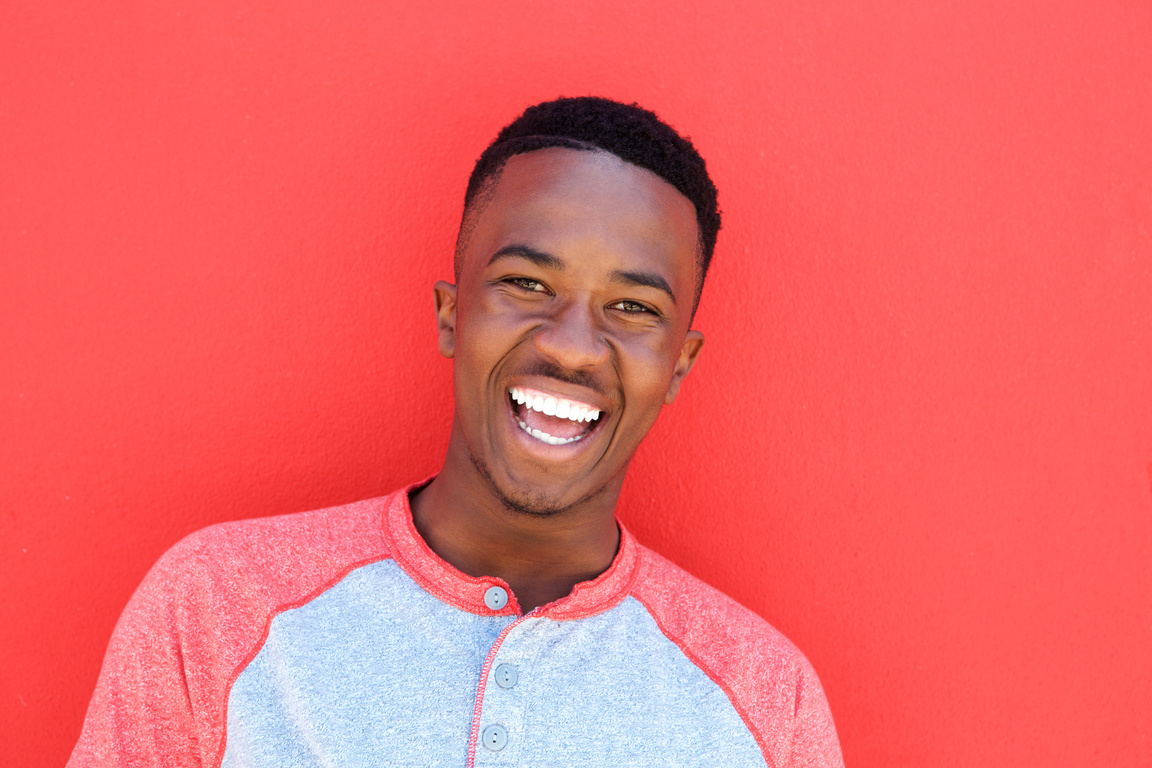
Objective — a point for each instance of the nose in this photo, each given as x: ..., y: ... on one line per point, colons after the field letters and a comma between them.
x: 572, y: 338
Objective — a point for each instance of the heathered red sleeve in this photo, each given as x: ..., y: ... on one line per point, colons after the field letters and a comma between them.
x: 198, y: 618
x: 767, y: 679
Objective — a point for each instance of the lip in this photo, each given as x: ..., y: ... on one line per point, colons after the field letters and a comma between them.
x: 560, y: 390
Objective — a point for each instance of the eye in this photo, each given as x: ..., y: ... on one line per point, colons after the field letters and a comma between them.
x: 528, y: 284
x: 632, y: 307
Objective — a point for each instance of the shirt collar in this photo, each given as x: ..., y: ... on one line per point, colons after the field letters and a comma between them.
x: 466, y: 592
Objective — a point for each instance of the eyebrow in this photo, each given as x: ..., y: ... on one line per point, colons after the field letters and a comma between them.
x: 548, y: 261
x: 648, y: 279
x: 539, y: 258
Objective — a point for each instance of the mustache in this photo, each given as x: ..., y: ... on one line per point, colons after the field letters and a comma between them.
x: 550, y: 370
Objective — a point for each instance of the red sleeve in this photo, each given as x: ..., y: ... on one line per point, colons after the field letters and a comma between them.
x: 143, y: 713
x: 814, y: 740
x: 768, y: 680
x: 200, y: 615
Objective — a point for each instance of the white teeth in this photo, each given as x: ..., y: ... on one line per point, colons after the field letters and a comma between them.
x: 545, y: 437
x: 554, y: 406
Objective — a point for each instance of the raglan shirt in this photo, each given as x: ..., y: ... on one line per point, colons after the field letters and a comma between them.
x: 338, y: 638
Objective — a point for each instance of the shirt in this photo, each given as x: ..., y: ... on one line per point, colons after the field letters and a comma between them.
x: 337, y: 637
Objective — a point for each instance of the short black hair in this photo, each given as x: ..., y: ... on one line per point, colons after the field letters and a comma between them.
x: 629, y: 131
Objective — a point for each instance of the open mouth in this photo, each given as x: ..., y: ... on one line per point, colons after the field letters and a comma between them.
x: 551, y: 419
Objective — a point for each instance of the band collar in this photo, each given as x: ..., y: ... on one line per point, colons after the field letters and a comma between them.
x: 467, y: 592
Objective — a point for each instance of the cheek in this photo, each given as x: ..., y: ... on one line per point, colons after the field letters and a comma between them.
x: 484, y: 337
x: 488, y: 316
x: 648, y: 374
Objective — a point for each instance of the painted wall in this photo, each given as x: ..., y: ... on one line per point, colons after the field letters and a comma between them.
x: 920, y: 438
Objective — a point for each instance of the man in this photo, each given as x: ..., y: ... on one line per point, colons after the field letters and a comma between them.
x: 498, y: 614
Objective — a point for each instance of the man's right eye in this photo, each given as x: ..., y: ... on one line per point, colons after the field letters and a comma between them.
x: 528, y: 284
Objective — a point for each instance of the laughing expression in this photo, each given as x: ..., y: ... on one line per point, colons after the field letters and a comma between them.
x: 569, y: 327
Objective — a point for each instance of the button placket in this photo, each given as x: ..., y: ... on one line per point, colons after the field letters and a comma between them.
x: 501, y: 737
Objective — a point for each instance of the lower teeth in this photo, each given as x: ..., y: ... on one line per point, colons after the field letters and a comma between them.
x: 545, y: 437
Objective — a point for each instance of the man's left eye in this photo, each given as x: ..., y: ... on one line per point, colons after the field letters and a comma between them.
x: 528, y: 284
x: 632, y: 307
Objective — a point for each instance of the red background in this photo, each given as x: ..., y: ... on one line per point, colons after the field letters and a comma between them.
x: 919, y: 440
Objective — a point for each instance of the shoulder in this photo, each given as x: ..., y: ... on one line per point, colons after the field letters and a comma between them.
x: 236, y: 575
x: 695, y: 614
x: 765, y: 676
x: 244, y: 571
x: 273, y: 548
x: 200, y: 615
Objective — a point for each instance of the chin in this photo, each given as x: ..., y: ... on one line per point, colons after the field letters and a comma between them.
x: 533, y: 505
x: 538, y: 502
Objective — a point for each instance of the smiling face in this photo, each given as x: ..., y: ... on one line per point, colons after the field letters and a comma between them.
x: 569, y: 327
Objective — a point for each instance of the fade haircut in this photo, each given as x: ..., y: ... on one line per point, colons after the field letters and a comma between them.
x: 590, y: 123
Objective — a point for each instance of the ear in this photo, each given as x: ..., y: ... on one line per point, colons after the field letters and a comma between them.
x: 693, y: 343
x: 445, y: 296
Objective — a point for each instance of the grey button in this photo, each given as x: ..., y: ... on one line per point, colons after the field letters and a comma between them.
x: 494, y: 737
x: 496, y: 598
x: 506, y: 675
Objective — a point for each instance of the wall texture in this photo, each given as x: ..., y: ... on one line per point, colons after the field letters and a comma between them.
x: 919, y: 440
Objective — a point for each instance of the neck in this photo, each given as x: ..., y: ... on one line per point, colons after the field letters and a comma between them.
x: 541, y: 558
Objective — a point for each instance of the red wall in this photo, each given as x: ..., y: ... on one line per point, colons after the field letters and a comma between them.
x: 919, y: 440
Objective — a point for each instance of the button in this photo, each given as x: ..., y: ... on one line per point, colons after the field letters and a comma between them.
x: 506, y: 675
x: 494, y: 737
x: 496, y: 598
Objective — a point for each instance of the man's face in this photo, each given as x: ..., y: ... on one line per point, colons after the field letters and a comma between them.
x: 575, y: 296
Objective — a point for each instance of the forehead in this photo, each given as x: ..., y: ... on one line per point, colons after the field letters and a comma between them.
x: 588, y: 208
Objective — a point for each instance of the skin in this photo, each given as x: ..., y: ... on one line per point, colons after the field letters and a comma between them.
x: 577, y: 279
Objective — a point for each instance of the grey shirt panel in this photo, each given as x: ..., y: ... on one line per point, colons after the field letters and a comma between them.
x: 375, y: 671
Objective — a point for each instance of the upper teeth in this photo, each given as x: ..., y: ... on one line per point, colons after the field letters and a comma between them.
x: 555, y: 406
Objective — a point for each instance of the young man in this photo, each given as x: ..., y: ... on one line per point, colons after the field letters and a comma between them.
x: 498, y: 614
